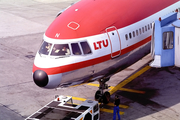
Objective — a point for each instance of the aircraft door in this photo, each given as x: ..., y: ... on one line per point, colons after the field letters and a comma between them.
x: 167, y: 54
x: 115, y: 42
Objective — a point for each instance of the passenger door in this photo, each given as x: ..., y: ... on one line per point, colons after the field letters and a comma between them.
x: 115, y: 42
x: 167, y: 55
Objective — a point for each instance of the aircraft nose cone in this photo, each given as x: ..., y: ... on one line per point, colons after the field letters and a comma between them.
x: 40, y: 78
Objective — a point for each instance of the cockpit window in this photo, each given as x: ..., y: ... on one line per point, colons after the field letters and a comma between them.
x: 75, y: 49
x: 45, y: 48
x: 64, y: 49
x: 85, y: 47
x: 60, y: 49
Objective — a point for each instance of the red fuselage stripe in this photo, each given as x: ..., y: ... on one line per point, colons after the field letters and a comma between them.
x: 75, y: 66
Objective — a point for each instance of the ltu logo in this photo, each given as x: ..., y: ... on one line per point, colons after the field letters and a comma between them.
x: 100, y: 44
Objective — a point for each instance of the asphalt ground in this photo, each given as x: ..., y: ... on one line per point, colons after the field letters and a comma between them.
x: 146, y: 93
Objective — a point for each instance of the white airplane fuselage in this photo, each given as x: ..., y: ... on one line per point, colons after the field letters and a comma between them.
x: 101, y: 41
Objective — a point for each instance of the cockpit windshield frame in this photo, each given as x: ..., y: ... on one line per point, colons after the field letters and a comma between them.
x: 60, y: 50
x: 76, y: 49
x: 45, y: 48
x: 64, y: 50
x: 85, y: 48
x: 54, y: 49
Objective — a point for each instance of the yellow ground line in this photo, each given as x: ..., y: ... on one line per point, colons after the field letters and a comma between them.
x: 132, y: 90
x: 111, y: 87
x: 110, y: 111
x: 102, y: 109
x: 93, y: 84
x: 106, y: 110
x: 109, y: 104
x: 122, y: 89
x: 77, y: 98
x: 121, y: 106
x: 120, y: 85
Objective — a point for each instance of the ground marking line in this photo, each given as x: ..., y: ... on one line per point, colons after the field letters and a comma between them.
x: 77, y: 98
x: 93, y: 84
x: 119, y: 87
x: 132, y: 90
x: 110, y: 111
x: 122, y: 89
x: 109, y: 104
x: 121, y: 106
x: 132, y: 77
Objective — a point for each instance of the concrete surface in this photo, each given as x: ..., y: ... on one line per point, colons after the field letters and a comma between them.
x: 28, y: 17
x: 22, y: 26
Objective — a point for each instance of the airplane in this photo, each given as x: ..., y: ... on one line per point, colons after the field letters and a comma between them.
x: 94, y: 39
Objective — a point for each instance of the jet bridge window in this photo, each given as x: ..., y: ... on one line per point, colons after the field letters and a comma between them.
x: 168, y: 40
x: 85, y: 47
x: 60, y: 49
x: 75, y: 49
x: 45, y: 48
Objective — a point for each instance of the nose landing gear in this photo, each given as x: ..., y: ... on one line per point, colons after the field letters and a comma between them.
x: 100, y: 95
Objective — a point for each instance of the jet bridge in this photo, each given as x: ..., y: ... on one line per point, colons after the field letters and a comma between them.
x: 165, y: 44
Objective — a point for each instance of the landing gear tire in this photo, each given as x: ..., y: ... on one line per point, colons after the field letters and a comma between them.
x: 106, y: 97
x: 102, y: 98
x: 98, y: 95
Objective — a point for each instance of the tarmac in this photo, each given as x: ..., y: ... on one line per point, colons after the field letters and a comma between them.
x: 146, y: 93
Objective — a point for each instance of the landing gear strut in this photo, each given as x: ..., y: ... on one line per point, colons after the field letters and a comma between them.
x: 100, y: 95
